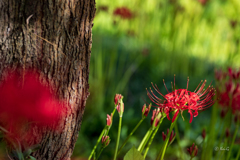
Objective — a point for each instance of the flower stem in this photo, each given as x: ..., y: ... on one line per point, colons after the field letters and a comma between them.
x: 99, y: 152
x: 99, y: 139
x: 118, y: 137
x: 145, y: 139
x: 233, y: 140
x: 152, y: 137
x: 178, y: 142
x: 238, y: 155
x: 163, y: 150
x: 124, y: 143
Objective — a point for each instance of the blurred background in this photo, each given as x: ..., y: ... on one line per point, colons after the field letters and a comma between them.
x: 142, y: 41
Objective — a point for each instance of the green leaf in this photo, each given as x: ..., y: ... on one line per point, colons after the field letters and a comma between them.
x: 32, y: 158
x: 133, y: 154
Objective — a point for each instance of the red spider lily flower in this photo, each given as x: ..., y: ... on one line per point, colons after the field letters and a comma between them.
x: 203, y: 2
x: 124, y: 12
x: 233, y: 74
x: 193, y: 150
x: 26, y: 105
x: 181, y: 99
x: 172, y: 136
x: 109, y: 120
x: 146, y: 110
x: 219, y: 75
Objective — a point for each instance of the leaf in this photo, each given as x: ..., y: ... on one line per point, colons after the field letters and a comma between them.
x: 32, y: 158
x: 133, y: 154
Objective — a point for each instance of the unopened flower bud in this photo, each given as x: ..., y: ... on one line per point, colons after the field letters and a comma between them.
x: 203, y: 133
x: 120, y: 107
x: 105, y: 141
x: 109, y: 120
x: 117, y: 98
x: 146, y: 110
x: 193, y: 150
x: 156, y: 116
x: 171, y: 138
x: 227, y: 133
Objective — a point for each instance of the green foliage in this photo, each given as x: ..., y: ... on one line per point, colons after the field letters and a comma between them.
x: 133, y: 154
x: 164, y: 38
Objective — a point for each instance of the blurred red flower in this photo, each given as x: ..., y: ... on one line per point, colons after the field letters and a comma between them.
x: 228, y: 90
x: 124, y: 12
x: 27, y: 104
x: 181, y: 99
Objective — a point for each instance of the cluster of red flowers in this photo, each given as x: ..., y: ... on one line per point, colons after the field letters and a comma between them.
x: 26, y: 103
x: 123, y: 12
x: 228, y: 89
x: 181, y: 99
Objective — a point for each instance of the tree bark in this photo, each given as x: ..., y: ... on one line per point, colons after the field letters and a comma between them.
x: 54, y: 38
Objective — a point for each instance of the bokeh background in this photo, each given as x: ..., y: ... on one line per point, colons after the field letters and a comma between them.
x: 152, y: 41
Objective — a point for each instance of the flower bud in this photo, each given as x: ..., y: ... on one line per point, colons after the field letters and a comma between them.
x: 109, y: 120
x: 105, y: 141
x: 117, y: 98
x: 156, y: 116
x: 171, y: 138
x: 193, y: 150
x: 146, y: 110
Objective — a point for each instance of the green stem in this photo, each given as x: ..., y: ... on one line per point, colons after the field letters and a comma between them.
x: 99, y: 139
x: 163, y: 150
x: 233, y: 140
x: 178, y: 142
x: 145, y: 139
x: 152, y: 137
x: 99, y: 152
x: 118, y: 137
x: 212, y: 135
x: 238, y: 155
x: 124, y: 143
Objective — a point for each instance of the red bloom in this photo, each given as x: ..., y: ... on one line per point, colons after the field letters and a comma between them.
x: 26, y: 102
x: 124, y: 12
x: 181, y: 99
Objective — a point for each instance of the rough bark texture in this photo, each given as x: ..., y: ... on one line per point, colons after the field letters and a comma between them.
x: 54, y: 38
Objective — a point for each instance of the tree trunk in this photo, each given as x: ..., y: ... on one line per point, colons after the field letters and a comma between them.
x: 53, y: 37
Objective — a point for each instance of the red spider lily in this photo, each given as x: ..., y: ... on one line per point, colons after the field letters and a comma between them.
x: 233, y: 74
x: 25, y: 105
x: 219, y: 75
x: 203, y: 2
x: 124, y: 12
x: 229, y: 94
x: 181, y: 99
